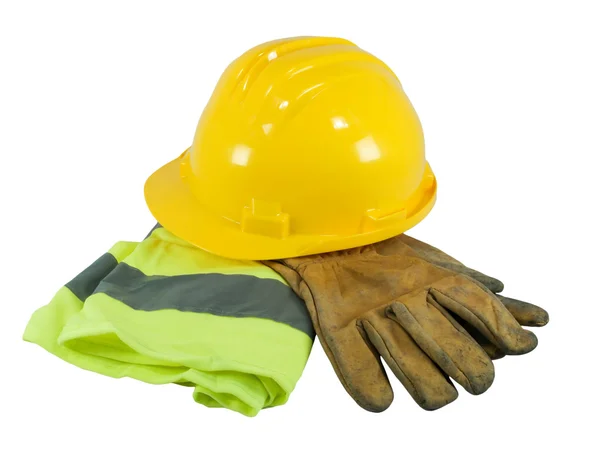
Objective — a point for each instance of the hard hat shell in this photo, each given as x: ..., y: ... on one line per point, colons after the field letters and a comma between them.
x: 307, y: 145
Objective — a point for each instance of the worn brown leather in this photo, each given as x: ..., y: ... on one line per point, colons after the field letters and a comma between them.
x: 526, y: 314
x: 404, y: 300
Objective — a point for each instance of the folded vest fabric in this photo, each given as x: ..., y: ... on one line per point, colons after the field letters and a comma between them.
x: 164, y: 311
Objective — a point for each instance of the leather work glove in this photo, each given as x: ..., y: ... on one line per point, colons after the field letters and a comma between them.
x: 525, y: 313
x: 409, y: 303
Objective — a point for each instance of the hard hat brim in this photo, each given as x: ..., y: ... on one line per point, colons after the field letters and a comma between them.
x: 174, y: 206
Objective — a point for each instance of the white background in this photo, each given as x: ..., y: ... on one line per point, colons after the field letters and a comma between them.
x: 94, y: 96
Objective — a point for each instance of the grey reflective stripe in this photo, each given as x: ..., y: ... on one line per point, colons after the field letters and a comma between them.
x: 84, y: 284
x: 214, y: 293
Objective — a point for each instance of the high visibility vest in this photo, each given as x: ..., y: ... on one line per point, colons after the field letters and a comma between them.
x: 164, y: 311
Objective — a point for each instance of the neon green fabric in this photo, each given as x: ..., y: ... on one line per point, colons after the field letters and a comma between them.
x: 163, y: 311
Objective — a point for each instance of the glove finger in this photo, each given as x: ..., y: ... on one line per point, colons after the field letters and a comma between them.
x: 359, y: 368
x: 492, y: 351
x: 423, y: 380
x: 444, y: 341
x: 482, y: 309
x: 526, y: 314
x: 490, y: 283
x: 439, y: 258
x: 493, y: 284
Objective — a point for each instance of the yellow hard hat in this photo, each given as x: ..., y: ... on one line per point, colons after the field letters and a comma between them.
x: 307, y: 145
